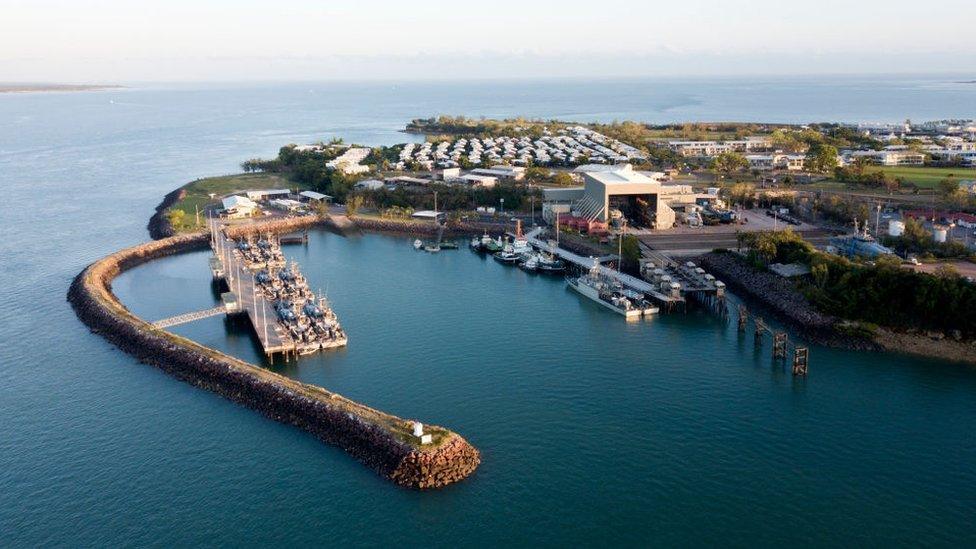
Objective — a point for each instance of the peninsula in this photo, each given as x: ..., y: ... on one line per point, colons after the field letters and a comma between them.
x: 37, y: 88
x: 650, y: 201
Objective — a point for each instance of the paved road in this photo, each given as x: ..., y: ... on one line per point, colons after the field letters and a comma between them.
x: 708, y: 241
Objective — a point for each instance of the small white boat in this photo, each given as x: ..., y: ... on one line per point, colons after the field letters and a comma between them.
x: 417, y: 244
x: 530, y: 264
x: 432, y: 248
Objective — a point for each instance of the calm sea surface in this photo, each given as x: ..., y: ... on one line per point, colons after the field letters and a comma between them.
x: 674, y: 430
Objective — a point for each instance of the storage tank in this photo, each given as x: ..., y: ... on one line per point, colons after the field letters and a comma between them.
x: 939, y: 234
x: 896, y: 228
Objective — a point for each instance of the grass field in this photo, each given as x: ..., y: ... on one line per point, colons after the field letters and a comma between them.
x: 198, y: 192
x: 925, y: 177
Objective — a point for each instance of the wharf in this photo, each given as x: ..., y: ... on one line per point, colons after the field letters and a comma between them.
x: 297, y: 335
x: 240, y: 281
x: 586, y: 263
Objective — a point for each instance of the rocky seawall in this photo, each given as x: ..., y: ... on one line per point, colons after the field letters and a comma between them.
x: 778, y: 296
x: 420, y: 228
x: 381, y: 441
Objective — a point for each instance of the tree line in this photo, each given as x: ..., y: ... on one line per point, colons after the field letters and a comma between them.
x: 880, y: 292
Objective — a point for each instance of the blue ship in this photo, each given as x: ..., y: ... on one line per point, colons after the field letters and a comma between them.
x: 859, y: 244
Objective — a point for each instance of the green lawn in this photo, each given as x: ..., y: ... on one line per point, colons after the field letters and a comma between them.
x: 925, y: 177
x: 198, y: 192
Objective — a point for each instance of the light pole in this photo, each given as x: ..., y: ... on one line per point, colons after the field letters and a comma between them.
x: 502, y: 202
x: 620, y: 246
x: 877, y: 222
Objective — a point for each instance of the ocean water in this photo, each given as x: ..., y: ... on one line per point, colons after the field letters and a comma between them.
x: 592, y: 430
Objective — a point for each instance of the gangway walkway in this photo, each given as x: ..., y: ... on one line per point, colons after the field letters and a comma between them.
x: 189, y: 317
x: 586, y: 263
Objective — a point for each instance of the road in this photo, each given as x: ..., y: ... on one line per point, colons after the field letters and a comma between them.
x: 694, y: 243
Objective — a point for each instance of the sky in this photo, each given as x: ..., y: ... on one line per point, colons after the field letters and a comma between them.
x: 106, y: 41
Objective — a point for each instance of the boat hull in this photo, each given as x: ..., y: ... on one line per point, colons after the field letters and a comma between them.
x: 592, y: 294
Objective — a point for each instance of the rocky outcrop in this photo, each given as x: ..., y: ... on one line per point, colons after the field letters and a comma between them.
x: 379, y: 440
x: 159, y: 225
x: 453, y: 461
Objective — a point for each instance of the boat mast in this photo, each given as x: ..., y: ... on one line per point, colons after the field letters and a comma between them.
x: 557, y: 229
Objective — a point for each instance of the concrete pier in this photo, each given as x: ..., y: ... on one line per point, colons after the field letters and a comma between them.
x: 240, y: 278
x: 628, y: 281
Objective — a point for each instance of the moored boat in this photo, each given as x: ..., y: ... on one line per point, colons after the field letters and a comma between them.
x: 507, y: 256
x: 529, y: 263
x: 600, y: 289
x: 549, y: 263
x: 494, y: 245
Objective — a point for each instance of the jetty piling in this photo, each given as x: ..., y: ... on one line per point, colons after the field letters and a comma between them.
x: 801, y: 361
x: 779, y: 345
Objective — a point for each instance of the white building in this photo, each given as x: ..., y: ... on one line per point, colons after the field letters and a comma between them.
x: 312, y: 196
x: 267, y: 194
x: 889, y: 158
x: 766, y: 162
x: 476, y: 180
x: 286, y: 204
x: 715, y: 148
x: 238, y: 206
x: 510, y: 173
x: 449, y: 173
x: 370, y: 184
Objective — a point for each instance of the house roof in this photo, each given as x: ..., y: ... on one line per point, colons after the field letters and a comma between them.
x: 236, y: 201
x: 314, y: 195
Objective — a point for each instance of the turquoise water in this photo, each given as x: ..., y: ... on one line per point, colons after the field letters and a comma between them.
x: 592, y: 429
x: 592, y: 426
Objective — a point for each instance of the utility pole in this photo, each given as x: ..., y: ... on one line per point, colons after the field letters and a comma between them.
x: 877, y: 222
x: 620, y: 247
x: 557, y: 229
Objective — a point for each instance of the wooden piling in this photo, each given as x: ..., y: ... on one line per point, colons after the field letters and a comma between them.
x: 801, y: 361
x: 780, y: 340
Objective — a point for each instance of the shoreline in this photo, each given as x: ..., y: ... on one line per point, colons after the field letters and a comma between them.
x: 778, y: 297
x: 379, y: 440
x: 56, y: 88
x: 769, y: 292
x: 159, y: 226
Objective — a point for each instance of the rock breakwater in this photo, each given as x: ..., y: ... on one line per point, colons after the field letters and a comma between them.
x: 379, y: 440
